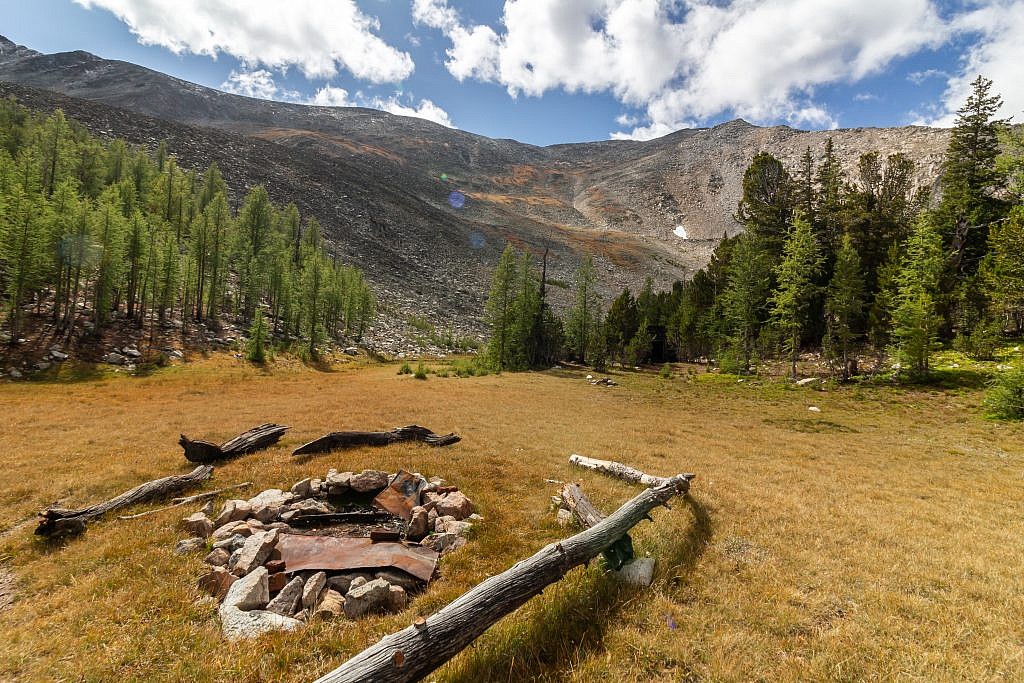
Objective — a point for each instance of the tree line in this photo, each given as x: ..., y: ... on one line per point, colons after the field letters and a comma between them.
x: 93, y: 230
x: 828, y: 259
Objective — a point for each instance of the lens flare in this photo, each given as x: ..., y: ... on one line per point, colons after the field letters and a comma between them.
x: 477, y: 240
x: 444, y: 176
x: 457, y: 199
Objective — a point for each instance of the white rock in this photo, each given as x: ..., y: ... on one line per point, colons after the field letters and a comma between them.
x: 270, y: 497
x: 637, y: 572
x: 289, y: 599
x: 564, y: 517
x: 814, y: 409
x: 187, y: 545
x: 239, y: 625
x: 805, y: 381
x: 255, y: 552
x: 251, y: 591
x: 368, y: 597
x: 233, y: 511
x: 312, y: 589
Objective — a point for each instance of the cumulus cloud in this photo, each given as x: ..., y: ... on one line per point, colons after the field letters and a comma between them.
x: 332, y: 96
x: 319, y: 38
x: 688, y: 60
x: 424, y: 110
x: 996, y: 51
x: 259, y: 84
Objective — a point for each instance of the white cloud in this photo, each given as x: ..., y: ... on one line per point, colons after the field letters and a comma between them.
x: 331, y: 96
x: 259, y: 83
x: 425, y: 110
x: 919, y: 77
x: 317, y: 37
x: 866, y: 97
x: 688, y: 60
x: 996, y: 52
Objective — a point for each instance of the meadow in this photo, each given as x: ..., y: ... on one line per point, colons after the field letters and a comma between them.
x: 877, y: 539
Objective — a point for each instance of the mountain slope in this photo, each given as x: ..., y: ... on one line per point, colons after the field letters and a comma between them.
x: 375, y: 179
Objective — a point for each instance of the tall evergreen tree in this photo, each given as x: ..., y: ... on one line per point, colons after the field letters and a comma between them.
x: 915, y: 316
x: 744, y: 298
x: 583, y: 319
x: 844, y: 304
x: 766, y: 208
x: 795, y: 274
x: 500, y: 313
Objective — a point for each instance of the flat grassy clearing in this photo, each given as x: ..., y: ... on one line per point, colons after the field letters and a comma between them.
x: 878, y: 539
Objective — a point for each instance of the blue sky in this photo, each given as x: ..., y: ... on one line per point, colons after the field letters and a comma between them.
x: 549, y: 71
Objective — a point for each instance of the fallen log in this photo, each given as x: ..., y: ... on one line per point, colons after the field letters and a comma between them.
x: 415, y: 651
x: 59, y: 521
x: 253, y: 440
x: 624, y: 472
x: 178, y: 502
x: 620, y: 552
x: 338, y: 440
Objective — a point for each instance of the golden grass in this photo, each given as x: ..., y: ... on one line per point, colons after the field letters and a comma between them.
x: 878, y: 539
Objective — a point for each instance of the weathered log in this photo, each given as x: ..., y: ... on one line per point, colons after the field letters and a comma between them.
x: 58, y: 521
x: 253, y: 440
x: 624, y: 472
x: 620, y: 552
x: 178, y: 502
x: 415, y: 651
x: 338, y: 440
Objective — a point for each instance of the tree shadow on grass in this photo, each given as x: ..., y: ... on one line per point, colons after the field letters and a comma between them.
x: 572, y: 621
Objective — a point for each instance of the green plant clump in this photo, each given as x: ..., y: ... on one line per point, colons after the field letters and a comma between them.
x: 1005, y: 399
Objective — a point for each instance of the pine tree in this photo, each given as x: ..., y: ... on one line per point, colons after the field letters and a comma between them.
x: 1004, y: 269
x: 743, y: 301
x: 766, y: 208
x: 20, y: 248
x: 915, y: 316
x: 969, y: 175
x: 500, y: 313
x: 844, y: 303
x: 256, y: 347
x: 801, y: 262
x: 584, y: 315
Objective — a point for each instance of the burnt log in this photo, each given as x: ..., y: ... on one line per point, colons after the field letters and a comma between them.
x: 339, y: 440
x: 255, y: 439
x: 415, y: 651
x: 60, y: 521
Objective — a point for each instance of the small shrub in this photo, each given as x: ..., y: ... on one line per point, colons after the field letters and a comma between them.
x: 421, y: 371
x: 1005, y: 399
x: 730, y: 361
x: 666, y: 371
x: 405, y: 369
x: 256, y: 347
x: 471, y: 367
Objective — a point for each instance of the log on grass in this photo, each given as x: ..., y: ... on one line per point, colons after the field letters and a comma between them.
x: 624, y: 472
x: 338, y: 440
x: 253, y: 440
x: 415, y: 651
x: 59, y: 521
x: 616, y: 555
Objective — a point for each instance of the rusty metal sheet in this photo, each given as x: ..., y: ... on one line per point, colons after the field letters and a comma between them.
x: 328, y: 553
x: 402, y: 495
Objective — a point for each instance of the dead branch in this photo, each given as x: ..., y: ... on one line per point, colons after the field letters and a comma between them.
x: 624, y: 472
x: 417, y: 650
x: 178, y: 502
x: 57, y: 521
x: 253, y: 440
x: 338, y: 440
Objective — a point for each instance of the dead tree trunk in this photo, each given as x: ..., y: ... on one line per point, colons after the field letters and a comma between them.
x: 57, y: 521
x: 618, y: 553
x: 415, y: 651
x: 255, y: 439
x: 620, y: 471
x: 338, y: 440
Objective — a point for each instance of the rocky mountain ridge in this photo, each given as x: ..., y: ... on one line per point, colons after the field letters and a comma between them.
x: 380, y: 183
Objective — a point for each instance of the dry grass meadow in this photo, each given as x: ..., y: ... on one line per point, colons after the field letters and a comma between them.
x: 880, y: 539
